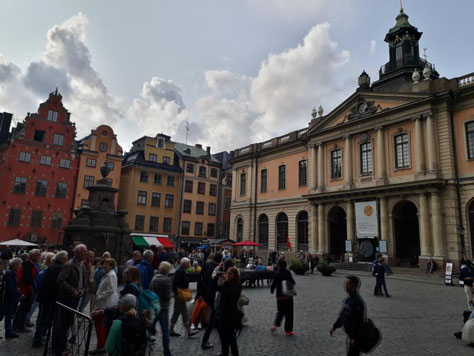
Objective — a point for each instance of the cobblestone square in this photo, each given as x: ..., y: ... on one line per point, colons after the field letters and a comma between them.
x: 419, y: 319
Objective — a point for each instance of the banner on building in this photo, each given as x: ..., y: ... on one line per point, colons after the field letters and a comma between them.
x: 366, y: 219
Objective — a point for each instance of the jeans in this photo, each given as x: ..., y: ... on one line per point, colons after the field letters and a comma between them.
x: 43, y: 321
x: 23, y: 309
x: 285, y: 309
x: 10, y: 309
x: 469, y: 291
x: 180, y: 308
x: 165, y: 330
x: 380, y: 282
x: 228, y: 339
x: 33, y: 308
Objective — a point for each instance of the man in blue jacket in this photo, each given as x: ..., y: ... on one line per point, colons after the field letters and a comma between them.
x: 467, y: 276
x: 146, y: 269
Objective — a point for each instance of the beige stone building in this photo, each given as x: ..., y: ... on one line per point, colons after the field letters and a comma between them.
x: 390, y: 169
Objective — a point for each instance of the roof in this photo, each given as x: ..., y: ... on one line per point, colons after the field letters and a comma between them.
x: 188, y: 151
x: 138, y: 158
x: 224, y: 157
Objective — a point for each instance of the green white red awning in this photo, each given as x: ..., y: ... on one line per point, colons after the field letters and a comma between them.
x: 146, y: 240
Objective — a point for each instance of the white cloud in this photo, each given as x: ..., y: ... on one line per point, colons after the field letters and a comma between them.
x: 372, y: 47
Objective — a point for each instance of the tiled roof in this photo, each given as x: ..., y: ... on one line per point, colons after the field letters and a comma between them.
x: 192, y: 151
x: 138, y: 158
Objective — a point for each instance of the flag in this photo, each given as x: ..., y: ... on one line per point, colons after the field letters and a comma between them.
x: 288, y: 243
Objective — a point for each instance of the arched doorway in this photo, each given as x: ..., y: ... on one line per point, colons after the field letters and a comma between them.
x: 240, y: 229
x: 302, y: 225
x: 407, y: 232
x: 282, y: 231
x: 337, y: 231
x: 263, y: 230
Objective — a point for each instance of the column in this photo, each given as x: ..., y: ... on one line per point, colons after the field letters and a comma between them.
x: 384, y: 228
x: 313, y: 164
x: 381, y: 161
x: 314, y: 228
x: 431, y: 144
x: 321, y: 170
x: 348, y: 162
x: 419, y: 149
x: 234, y: 184
x: 437, y: 225
x: 248, y: 190
x: 425, y: 243
x: 350, y: 222
x: 321, y: 232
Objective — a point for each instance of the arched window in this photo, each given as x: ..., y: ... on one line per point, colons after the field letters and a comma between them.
x: 282, y: 231
x: 302, y: 222
x: 263, y: 229
x: 240, y: 229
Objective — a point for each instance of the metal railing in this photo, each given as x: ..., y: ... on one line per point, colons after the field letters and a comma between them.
x: 69, y: 333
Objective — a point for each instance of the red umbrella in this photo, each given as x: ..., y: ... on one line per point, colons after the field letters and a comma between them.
x: 246, y: 243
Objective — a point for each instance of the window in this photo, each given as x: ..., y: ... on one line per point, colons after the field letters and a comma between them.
x: 198, y: 229
x: 156, y: 179
x: 25, y: 157
x: 263, y: 181
x: 36, y: 218
x: 336, y: 164
x: 57, y: 221
x: 402, y: 151
x: 214, y: 172
x: 212, y: 209
x: 366, y: 161
x: 227, y: 202
x: 201, y: 188
x: 103, y: 147
x: 200, y: 208
x: 91, y: 162
x: 210, y: 229
x: 202, y: 171
x: 14, y: 217
x: 64, y: 163
x: 109, y: 164
x: 213, y: 190
x: 228, y: 181
x: 282, y: 231
x: 140, y: 222
x: 399, y: 52
x: 302, y: 173
x: 188, y: 186
x: 61, y: 190
x: 52, y: 115
x: 282, y: 177
x: 153, y: 223
x: 189, y: 168
x: 166, y: 160
x: 160, y: 143
x: 84, y: 202
x: 240, y: 229
x: 152, y: 157
x: 141, y: 197
x: 170, y: 181
x: 45, y: 160
x: 243, y: 181
x: 469, y: 138
x: 88, y: 181
x: 187, y: 206
x: 20, y: 185
x: 167, y: 222
x: 41, y: 187
x: 39, y: 136
x: 155, y: 199
x: 302, y: 223
x: 58, y: 140
x: 144, y: 176
x: 263, y: 229
x: 227, y: 229
x: 185, y: 228
x: 169, y: 200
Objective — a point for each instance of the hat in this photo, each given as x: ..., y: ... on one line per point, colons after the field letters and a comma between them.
x: 128, y: 301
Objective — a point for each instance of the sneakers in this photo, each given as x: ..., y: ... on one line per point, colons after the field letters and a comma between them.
x: 192, y: 333
x: 274, y: 328
x: 207, y: 345
x: 193, y: 327
x: 291, y: 333
x: 174, y: 333
x: 199, y: 326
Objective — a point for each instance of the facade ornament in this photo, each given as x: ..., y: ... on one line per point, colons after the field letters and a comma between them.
x: 416, y: 76
x: 314, y: 113
x: 427, y: 72
x: 362, y: 108
x: 320, y: 111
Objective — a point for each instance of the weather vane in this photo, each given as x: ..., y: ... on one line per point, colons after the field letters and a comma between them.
x: 424, y: 53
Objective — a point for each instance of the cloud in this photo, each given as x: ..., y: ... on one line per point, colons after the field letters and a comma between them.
x: 42, y: 78
x: 372, y: 47
x: 291, y: 11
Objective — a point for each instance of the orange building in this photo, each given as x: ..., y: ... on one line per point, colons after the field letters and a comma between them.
x: 100, y: 147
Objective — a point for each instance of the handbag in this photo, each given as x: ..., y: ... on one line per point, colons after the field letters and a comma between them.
x: 184, y: 294
x: 288, y: 288
x: 370, y: 336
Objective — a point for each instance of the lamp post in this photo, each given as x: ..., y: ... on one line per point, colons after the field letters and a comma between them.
x: 60, y: 234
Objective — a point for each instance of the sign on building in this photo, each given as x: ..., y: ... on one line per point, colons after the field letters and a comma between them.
x: 366, y: 219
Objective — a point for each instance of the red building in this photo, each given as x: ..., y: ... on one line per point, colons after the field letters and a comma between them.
x: 38, y: 171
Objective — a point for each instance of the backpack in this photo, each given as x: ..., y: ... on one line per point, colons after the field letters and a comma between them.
x: 370, y: 336
x: 288, y: 288
x: 148, y: 300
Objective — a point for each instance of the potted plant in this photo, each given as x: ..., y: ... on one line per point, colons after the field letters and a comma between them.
x: 325, y: 268
x: 298, y: 267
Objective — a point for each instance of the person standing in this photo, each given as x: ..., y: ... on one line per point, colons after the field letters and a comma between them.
x: 284, y: 302
x: 379, y: 273
x: 136, y: 258
x: 351, y: 316
x: 6, y: 256
x: 181, y: 281
x: 12, y: 296
x: 162, y: 285
x: 467, y: 276
x: 146, y: 268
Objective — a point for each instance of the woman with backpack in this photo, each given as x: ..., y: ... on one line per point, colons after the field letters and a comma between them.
x: 283, y: 282
x: 228, y: 317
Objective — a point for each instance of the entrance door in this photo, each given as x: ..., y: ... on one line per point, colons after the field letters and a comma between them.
x: 337, y: 232
x: 407, y: 232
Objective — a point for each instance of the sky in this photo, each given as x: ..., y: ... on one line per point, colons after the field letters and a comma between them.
x: 234, y: 72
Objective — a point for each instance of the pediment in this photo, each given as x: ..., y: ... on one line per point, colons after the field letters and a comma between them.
x: 361, y: 105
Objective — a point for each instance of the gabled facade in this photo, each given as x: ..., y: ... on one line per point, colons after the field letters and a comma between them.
x: 38, y: 171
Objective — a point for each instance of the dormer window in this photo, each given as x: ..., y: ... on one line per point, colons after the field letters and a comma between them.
x: 160, y: 142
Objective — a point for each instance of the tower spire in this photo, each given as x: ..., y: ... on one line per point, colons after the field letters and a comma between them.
x: 401, y: 6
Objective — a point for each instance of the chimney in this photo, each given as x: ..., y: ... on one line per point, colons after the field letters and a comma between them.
x: 198, y: 145
x: 208, y: 150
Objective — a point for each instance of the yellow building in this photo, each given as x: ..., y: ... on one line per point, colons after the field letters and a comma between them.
x: 150, y: 186
x: 99, y: 147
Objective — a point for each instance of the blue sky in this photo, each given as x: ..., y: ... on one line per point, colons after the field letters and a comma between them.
x: 238, y: 71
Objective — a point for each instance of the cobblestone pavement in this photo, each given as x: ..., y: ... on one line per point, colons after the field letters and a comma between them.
x: 419, y: 319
